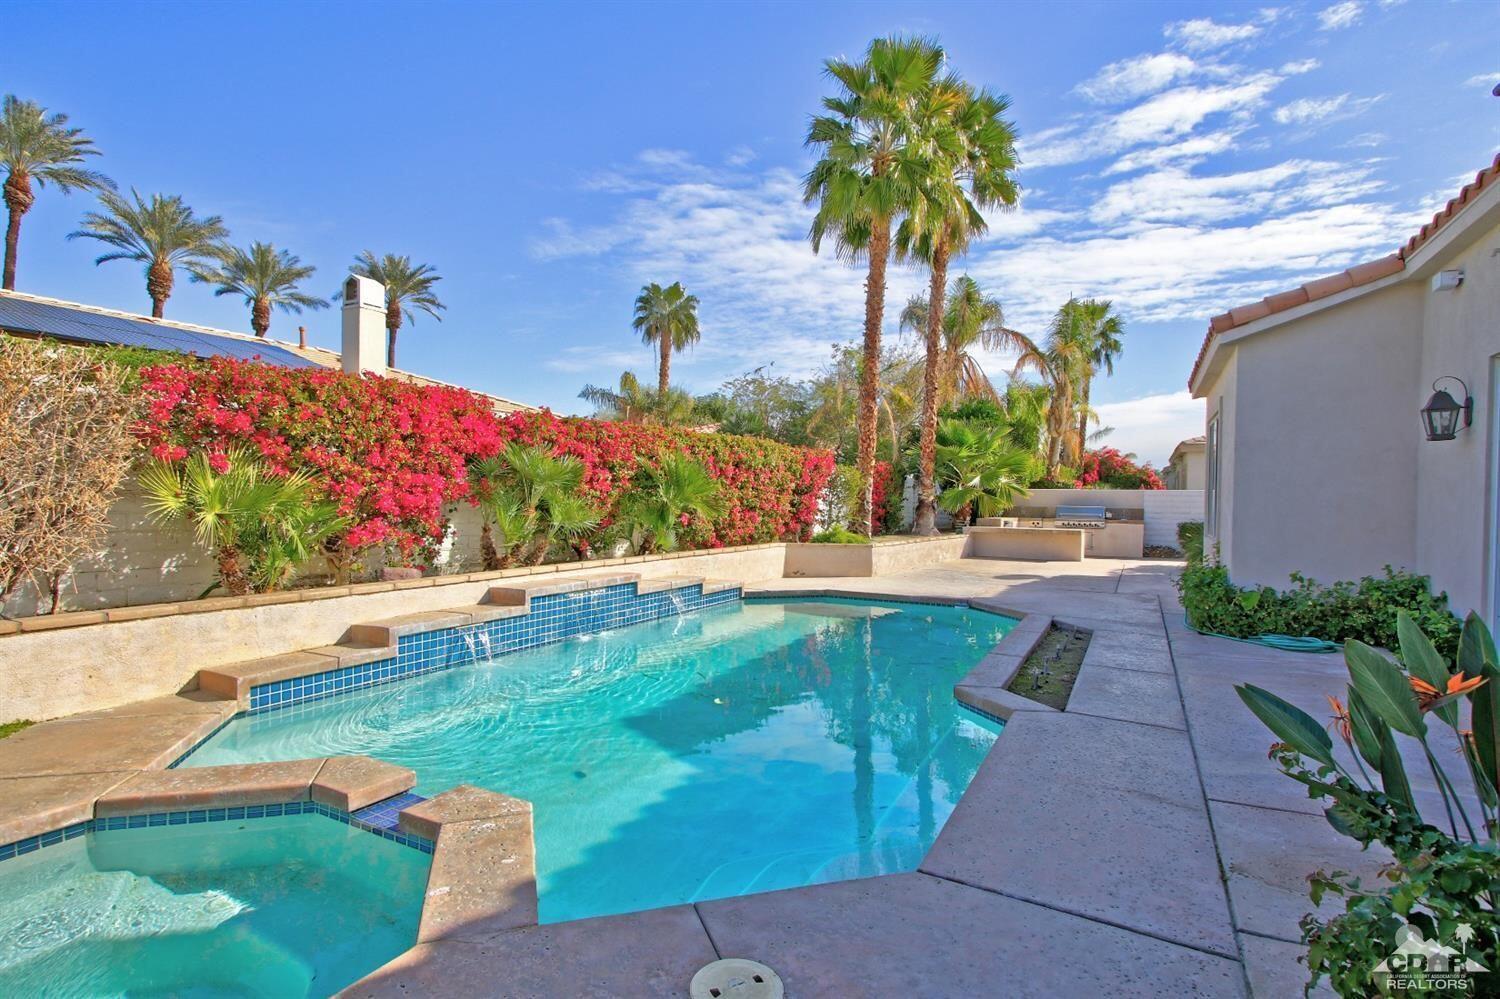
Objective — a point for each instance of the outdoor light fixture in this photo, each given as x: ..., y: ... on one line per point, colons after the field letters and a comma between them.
x: 1440, y: 415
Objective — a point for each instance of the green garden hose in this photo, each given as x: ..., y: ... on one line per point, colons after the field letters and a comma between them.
x: 1282, y: 643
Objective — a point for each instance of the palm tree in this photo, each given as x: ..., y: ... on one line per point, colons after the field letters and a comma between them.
x: 631, y: 402
x: 1064, y: 359
x: 533, y: 500
x: 980, y: 468
x: 668, y: 318
x: 971, y: 150
x: 260, y: 527
x: 1098, y: 325
x: 160, y: 233
x: 662, y: 498
x: 266, y: 277
x: 408, y: 286
x: 39, y: 147
x: 971, y: 321
x: 868, y: 176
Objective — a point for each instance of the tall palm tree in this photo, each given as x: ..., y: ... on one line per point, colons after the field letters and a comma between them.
x: 265, y: 277
x: 869, y: 176
x: 1101, y: 327
x: 668, y: 318
x: 971, y: 149
x: 160, y: 233
x: 632, y: 402
x: 37, y: 147
x: 971, y: 321
x: 408, y: 286
x: 1064, y: 359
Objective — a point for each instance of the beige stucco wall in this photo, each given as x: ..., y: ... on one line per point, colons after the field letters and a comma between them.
x: 1455, y: 522
x: 1324, y: 438
x: 1187, y: 472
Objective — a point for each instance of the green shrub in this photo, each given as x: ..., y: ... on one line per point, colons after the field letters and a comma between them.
x: 1365, y: 611
x: 1190, y: 539
x: 839, y: 536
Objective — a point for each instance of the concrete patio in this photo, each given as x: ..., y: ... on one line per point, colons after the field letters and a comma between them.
x: 1139, y: 843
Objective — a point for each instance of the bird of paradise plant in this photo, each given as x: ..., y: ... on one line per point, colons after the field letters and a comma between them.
x: 1444, y: 879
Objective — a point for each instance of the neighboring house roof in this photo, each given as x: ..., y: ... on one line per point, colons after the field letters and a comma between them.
x: 71, y: 321
x: 1191, y: 444
x: 1353, y: 277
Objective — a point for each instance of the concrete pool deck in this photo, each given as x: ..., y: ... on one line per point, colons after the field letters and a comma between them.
x: 1138, y: 843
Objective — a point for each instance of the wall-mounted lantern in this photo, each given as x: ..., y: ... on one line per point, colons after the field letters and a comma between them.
x: 1441, y: 414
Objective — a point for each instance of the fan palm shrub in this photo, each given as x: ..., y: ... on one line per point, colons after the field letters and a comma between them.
x: 37, y: 149
x: 868, y: 176
x: 666, y: 497
x: 262, y: 527
x: 979, y: 468
x: 667, y: 318
x: 408, y: 287
x: 161, y: 232
x: 531, y: 500
x: 265, y: 277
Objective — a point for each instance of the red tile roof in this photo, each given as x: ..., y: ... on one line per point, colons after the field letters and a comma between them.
x: 1360, y: 274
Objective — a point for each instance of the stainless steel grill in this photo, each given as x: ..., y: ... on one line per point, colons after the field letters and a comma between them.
x: 1087, y: 517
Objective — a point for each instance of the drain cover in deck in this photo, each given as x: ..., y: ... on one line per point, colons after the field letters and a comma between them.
x: 736, y: 978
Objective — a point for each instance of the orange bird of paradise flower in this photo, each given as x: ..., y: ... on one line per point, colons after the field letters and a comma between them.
x: 1341, y: 723
x: 1429, y: 697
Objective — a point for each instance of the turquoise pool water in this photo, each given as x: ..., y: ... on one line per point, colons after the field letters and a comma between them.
x: 742, y: 748
x: 289, y: 906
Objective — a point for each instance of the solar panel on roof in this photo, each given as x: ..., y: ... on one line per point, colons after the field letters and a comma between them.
x: 83, y: 326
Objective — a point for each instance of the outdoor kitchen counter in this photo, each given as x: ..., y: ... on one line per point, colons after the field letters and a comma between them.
x: 1048, y: 544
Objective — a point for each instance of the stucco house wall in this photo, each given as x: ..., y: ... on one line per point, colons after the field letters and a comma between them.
x: 1323, y: 463
x: 1455, y: 479
x: 1323, y: 429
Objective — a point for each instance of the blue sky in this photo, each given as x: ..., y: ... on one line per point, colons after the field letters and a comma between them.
x: 1179, y: 158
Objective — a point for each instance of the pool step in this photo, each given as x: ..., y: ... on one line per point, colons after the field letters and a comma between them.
x: 347, y: 783
x: 373, y: 641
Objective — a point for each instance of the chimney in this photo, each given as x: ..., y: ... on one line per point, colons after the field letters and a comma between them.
x: 364, y: 326
x: 302, y: 337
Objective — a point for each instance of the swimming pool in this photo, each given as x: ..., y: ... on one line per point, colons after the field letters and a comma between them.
x: 752, y: 746
x: 288, y: 905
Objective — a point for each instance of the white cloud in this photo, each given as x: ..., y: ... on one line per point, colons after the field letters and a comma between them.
x: 1174, y: 195
x: 1153, y: 425
x: 1136, y: 77
x: 1189, y: 150
x: 1485, y: 80
x: 1163, y: 118
x: 1203, y: 34
x: 1340, y: 15
x: 1306, y: 110
x: 1299, y: 66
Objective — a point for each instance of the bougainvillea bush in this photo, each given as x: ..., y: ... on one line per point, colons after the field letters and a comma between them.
x: 395, y: 455
x: 1109, y: 468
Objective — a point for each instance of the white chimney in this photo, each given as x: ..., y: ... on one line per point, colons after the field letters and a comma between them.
x: 364, y: 326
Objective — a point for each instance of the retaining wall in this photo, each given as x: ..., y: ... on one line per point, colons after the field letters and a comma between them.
x: 90, y: 660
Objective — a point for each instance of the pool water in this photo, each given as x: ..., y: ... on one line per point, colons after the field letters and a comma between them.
x: 288, y: 906
x: 758, y: 745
